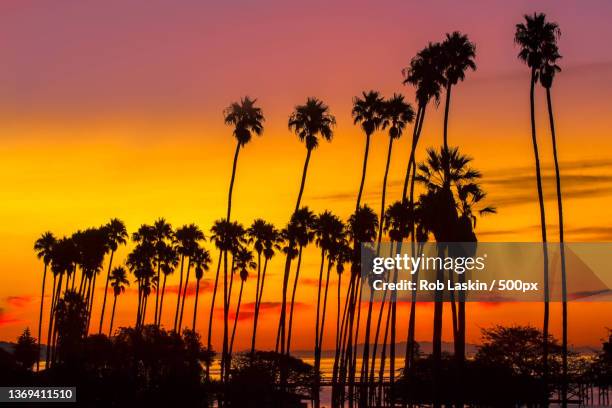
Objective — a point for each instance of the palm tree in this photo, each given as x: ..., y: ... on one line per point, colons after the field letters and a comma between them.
x: 363, y: 226
x: 201, y: 262
x: 368, y: 112
x: 195, y: 236
x: 396, y: 114
x: 44, y: 250
x: 534, y: 37
x: 452, y: 194
x: 301, y: 231
x: 162, y: 234
x: 547, y: 75
x: 119, y: 281
x: 116, y: 235
x: 140, y: 262
x: 330, y: 235
x: 244, y: 262
x: 266, y: 240
x: 169, y: 260
x: 246, y: 119
x: 182, y: 241
x: 458, y: 55
x: 425, y: 73
x: 309, y: 122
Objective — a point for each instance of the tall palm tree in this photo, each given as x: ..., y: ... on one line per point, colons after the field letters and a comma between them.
x: 396, y: 115
x: 44, y: 250
x: 265, y: 240
x: 534, y: 36
x: 183, y: 242
x: 451, y: 194
x: 425, y: 73
x: 196, y: 236
x: 458, y: 55
x: 547, y: 75
x: 246, y: 119
x: 244, y: 262
x: 116, y: 235
x: 162, y: 236
x: 330, y: 235
x: 368, y: 113
x: 119, y: 281
x: 301, y: 231
x: 169, y: 260
x: 309, y: 122
x: 140, y: 262
x: 201, y: 262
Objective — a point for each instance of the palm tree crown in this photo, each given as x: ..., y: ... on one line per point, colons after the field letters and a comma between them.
x: 246, y: 119
x: 535, y: 36
x: 396, y: 114
x: 425, y: 73
x: 311, y: 120
x: 458, y: 55
x: 368, y: 111
x: 44, y: 247
x: 118, y: 280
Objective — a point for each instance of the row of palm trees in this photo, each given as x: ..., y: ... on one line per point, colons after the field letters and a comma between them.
x: 444, y: 207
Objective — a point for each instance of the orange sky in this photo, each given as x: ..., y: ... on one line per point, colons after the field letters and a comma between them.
x: 114, y: 113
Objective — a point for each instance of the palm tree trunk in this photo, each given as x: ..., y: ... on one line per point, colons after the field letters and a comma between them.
x: 110, y: 264
x: 384, y: 194
x: 110, y: 329
x: 224, y: 364
x: 161, y: 300
x: 437, y: 334
x: 258, y: 305
x: 543, y: 228
x: 363, y: 171
x: 291, y: 308
x: 446, y: 110
x: 91, y: 300
x: 195, y: 305
x: 178, y: 294
x: 415, y: 137
x: 303, y: 182
x: 212, y: 312
x: 231, y: 186
x: 50, y: 329
x: 180, y: 322
x: 231, y: 346
x: 322, y: 325
x: 42, y: 300
x: 564, y: 381
x: 256, y: 300
x: 157, y: 293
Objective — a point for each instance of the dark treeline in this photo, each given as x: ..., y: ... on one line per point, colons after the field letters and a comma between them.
x: 441, y: 200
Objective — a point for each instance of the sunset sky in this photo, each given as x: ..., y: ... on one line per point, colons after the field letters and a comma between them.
x: 114, y: 109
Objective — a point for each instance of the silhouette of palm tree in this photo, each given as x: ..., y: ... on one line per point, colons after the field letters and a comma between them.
x: 116, y: 235
x: 396, y: 115
x: 266, y: 240
x: 243, y: 263
x: 140, y: 263
x: 458, y: 55
x: 247, y: 119
x: 118, y: 280
x: 169, y: 260
x: 309, y: 122
x: 368, y: 112
x: 162, y: 235
x: 301, y: 231
x: 425, y: 73
x: 451, y: 194
x: 44, y: 250
x: 329, y: 232
x: 534, y: 36
x: 547, y: 75
x: 194, y: 237
x: 183, y: 243
x: 201, y: 262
